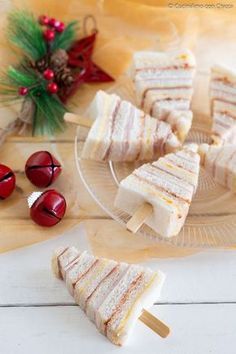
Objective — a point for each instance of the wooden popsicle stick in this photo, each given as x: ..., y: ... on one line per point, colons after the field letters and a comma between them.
x: 78, y: 120
x: 133, y: 225
x: 139, y: 217
x: 155, y: 324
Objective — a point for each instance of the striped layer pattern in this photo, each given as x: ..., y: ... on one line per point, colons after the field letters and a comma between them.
x: 220, y: 163
x: 223, y: 104
x: 112, y: 294
x: 163, y: 81
x: 121, y: 132
x: 168, y: 185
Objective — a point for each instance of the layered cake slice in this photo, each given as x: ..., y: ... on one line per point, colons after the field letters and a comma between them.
x: 112, y: 294
x: 163, y: 80
x: 223, y: 104
x: 121, y: 132
x: 168, y: 185
x: 220, y: 162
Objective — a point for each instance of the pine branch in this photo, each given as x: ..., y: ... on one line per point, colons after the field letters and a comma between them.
x: 13, y: 78
x: 49, y: 111
x: 22, y: 76
x: 49, y: 114
x: 65, y: 39
x: 25, y: 33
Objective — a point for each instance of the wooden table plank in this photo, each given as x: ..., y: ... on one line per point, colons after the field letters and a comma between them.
x: 26, y: 277
x: 195, y: 329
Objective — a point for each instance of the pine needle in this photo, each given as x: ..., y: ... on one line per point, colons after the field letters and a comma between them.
x: 48, y: 118
x: 22, y: 77
x: 49, y: 111
x: 13, y: 78
x: 65, y: 39
x: 25, y: 33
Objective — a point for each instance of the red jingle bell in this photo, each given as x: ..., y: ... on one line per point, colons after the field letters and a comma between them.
x: 47, y: 208
x: 7, y: 181
x: 42, y: 169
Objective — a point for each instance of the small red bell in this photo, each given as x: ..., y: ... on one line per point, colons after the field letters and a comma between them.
x: 7, y: 181
x: 42, y: 169
x: 47, y: 208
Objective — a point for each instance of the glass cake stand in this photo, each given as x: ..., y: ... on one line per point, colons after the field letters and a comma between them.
x: 211, y: 221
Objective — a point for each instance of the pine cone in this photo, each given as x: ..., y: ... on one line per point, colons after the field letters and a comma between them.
x: 42, y: 64
x: 64, y: 77
x: 59, y: 60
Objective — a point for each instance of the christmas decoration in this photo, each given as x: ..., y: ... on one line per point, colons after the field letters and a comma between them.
x: 7, y: 181
x: 52, y: 87
x: 49, y: 35
x: 42, y: 169
x: 60, y: 28
x: 80, y: 56
x: 23, y: 91
x: 52, y: 67
x: 47, y: 208
x: 48, y: 74
x: 44, y: 20
x: 52, y: 22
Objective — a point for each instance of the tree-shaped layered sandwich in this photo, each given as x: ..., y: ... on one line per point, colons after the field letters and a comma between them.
x: 164, y: 81
x: 112, y: 294
x: 220, y: 163
x: 223, y: 104
x: 167, y: 185
x: 121, y: 132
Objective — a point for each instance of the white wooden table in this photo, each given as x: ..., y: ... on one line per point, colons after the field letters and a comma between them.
x: 37, y: 315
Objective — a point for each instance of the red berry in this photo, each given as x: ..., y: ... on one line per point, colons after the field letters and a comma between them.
x: 48, y: 209
x: 42, y: 169
x: 48, y: 74
x: 52, y: 22
x: 7, y: 181
x: 57, y: 24
x: 23, y: 91
x: 43, y: 20
x: 60, y: 28
x: 49, y: 35
x: 52, y: 87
